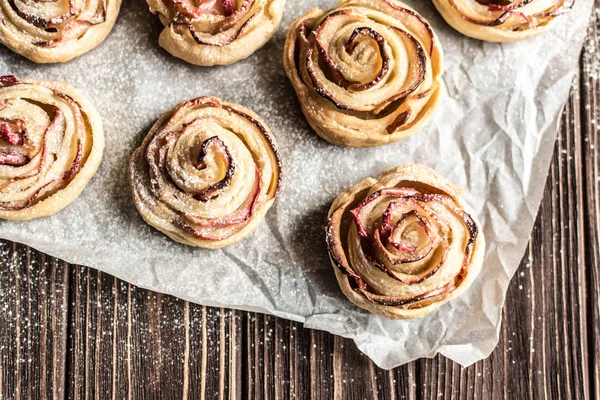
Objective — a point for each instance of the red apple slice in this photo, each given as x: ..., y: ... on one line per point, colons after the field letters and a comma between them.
x: 12, y: 131
x: 362, y: 210
x: 335, y: 248
x: 9, y: 80
x: 13, y: 159
x: 228, y: 7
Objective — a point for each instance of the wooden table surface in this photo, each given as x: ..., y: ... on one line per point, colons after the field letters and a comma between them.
x: 72, y: 332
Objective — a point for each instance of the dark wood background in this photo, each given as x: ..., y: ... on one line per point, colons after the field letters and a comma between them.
x: 72, y: 332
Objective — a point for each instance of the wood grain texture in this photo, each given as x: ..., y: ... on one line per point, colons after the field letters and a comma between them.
x: 34, y: 296
x: 590, y: 189
x: 72, y: 332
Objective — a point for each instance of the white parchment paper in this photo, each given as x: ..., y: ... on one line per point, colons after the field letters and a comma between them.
x: 493, y: 136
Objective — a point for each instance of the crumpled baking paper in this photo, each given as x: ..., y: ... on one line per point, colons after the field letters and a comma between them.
x: 493, y: 136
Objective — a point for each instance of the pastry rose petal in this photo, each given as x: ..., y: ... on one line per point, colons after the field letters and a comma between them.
x: 206, y: 173
x: 366, y: 73
x: 502, y: 20
x: 404, y: 243
x: 216, y: 32
x: 51, y: 144
x: 48, y: 31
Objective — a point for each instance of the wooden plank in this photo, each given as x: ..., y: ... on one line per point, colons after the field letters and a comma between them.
x: 322, y: 379
x: 355, y: 376
x: 353, y: 372
x: 590, y: 184
x: 281, y: 359
x: 300, y: 366
x: 129, y: 343
x: 34, y: 293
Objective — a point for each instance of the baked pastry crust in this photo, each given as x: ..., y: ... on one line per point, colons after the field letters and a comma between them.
x: 502, y: 21
x: 206, y: 174
x: 51, y: 144
x: 404, y: 243
x: 366, y: 73
x: 55, y: 31
x: 216, y: 32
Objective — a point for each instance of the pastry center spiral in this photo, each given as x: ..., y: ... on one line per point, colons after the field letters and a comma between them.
x: 356, y: 52
x: 409, y: 235
x: 206, y: 174
x: 203, y: 170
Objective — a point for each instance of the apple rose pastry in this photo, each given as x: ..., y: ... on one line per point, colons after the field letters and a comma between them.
x: 216, y: 32
x: 48, y: 31
x: 502, y: 20
x: 206, y: 173
x: 366, y: 73
x: 51, y: 144
x: 405, y: 243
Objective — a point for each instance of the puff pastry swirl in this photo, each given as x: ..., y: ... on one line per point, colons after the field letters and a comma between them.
x: 51, y: 144
x: 502, y: 20
x: 216, y: 32
x: 404, y: 243
x: 49, y: 31
x: 206, y: 174
x: 366, y: 73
